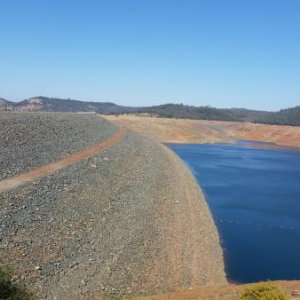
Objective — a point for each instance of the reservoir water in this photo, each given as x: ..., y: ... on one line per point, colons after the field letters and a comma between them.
x: 253, y: 191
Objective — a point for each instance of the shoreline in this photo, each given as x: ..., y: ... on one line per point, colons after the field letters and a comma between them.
x: 256, y: 144
x: 202, y: 222
x: 205, y: 165
x: 168, y: 130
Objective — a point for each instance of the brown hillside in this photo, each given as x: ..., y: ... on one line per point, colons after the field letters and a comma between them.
x: 203, y: 131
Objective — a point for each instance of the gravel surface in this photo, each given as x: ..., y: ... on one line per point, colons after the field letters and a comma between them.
x: 30, y: 140
x: 128, y: 219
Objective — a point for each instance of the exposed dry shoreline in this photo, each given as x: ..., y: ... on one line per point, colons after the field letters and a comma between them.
x: 190, y: 230
x: 202, y: 131
x: 128, y: 219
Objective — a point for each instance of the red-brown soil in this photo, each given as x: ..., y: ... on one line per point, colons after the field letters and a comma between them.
x: 16, y: 181
x: 203, y: 131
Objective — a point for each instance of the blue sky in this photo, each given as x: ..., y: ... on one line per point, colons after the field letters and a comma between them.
x: 226, y: 53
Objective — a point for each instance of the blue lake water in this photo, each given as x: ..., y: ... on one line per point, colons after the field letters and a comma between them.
x: 253, y: 191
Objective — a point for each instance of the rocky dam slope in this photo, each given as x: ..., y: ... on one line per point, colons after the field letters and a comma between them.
x: 129, y: 218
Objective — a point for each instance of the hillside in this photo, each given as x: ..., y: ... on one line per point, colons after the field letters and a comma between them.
x: 290, y: 116
x: 5, y: 105
x: 67, y: 105
x: 181, y: 111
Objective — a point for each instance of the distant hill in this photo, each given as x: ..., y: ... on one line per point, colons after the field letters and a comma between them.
x: 5, y: 104
x: 290, y: 116
x: 204, y: 112
x: 68, y: 105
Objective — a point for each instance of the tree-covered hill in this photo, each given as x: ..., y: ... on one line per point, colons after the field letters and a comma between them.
x: 67, y: 105
x: 290, y: 116
x: 204, y: 112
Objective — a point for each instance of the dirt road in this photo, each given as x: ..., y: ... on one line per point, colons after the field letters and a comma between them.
x: 37, y: 173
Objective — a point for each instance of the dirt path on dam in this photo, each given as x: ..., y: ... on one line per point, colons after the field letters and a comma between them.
x: 37, y: 173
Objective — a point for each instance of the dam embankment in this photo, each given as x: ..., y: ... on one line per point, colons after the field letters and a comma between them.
x: 130, y: 218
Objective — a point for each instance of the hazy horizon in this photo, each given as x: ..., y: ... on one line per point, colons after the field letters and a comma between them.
x: 140, y: 53
x: 162, y: 103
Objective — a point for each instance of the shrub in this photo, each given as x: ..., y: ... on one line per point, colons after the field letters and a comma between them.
x: 263, y: 291
x: 9, y: 289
